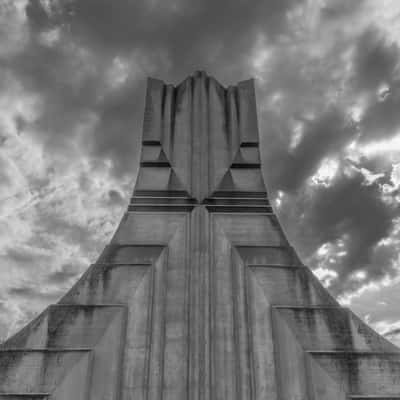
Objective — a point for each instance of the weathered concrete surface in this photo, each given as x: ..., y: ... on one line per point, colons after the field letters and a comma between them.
x: 199, y: 296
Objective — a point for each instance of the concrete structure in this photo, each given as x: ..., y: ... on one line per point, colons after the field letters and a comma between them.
x: 199, y: 295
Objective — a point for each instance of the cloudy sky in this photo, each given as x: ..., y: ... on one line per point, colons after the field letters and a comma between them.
x: 72, y: 81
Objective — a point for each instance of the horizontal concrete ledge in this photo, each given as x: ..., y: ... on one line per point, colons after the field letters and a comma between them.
x: 264, y: 246
x: 223, y: 193
x: 135, y: 244
x: 164, y: 203
x: 159, y: 211
x: 237, y: 206
x: 277, y: 266
x: 243, y: 200
x: 376, y: 397
x: 151, y: 143
x: 239, y: 210
x: 122, y: 305
x: 220, y: 212
x: 162, y: 200
x: 246, y: 166
x: 78, y: 305
x: 353, y: 353
x: 238, y: 203
x: 215, y: 204
x: 24, y: 395
x: 161, y: 193
x: 160, y: 207
x: 311, y: 307
x: 249, y: 144
x: 46, y: 350
x: 156, y: 164
x: 111, y: 265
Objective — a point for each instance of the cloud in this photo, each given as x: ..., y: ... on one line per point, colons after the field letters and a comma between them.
x: 73, y: 69
x: 351, y: 216
x: 393, y: 332
x: 381, y: 118
x: 186, y: 30
x: 30, y: 293
x: 72, y: 80
x: 325, y: 135
x: 63, y: 275
x: 376, y: 79
x: 340, y: 9
x: 375, y: 60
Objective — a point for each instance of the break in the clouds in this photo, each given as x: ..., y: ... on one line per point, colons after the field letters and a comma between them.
x: 72, y: 80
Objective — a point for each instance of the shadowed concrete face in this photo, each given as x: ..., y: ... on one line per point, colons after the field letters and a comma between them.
x: 199, y: 295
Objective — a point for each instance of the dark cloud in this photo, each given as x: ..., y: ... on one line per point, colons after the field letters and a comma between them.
x: 393, y: 332
x: 376, y: 73
x: 375, y: 60
x: 20, y: 123
x: 351, y: 210
x: 382, y: 118
x: 3, y: 307
x: 37, y: 14
x: 67, y: 89
x: 185, y: 30
x: 120, y: 121
x: 115, y: 197
x: 32, y: 293
x: 24, y: 256
x: 63, y: 275
x: 168, y: 40
x: 340, y: 9
x: 326, y: 135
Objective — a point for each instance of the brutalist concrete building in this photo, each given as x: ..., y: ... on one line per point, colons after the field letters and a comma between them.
x: 199, y: 295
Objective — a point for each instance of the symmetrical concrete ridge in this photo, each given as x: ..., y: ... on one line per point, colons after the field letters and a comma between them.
x: 199, y: 295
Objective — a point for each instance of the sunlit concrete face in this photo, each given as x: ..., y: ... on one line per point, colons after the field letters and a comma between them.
x: 199, y: 295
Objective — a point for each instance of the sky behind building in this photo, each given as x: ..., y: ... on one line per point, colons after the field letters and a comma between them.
x: 72, y: 79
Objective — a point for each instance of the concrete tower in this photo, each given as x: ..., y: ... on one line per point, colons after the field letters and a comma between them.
x: 199, y: 295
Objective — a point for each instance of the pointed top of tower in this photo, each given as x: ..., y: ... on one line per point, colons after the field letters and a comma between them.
x: 200, y: 72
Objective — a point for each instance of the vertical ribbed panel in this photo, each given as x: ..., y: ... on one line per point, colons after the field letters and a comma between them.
x: 247, y: 112
x: 152, y: 125
x: 198, y: 127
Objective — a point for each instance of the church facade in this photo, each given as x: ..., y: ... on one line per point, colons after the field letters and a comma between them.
x: 199, y: 295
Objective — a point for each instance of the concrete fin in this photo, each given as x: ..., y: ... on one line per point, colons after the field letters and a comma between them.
x: 153, y: 110
x: 247, y: 112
